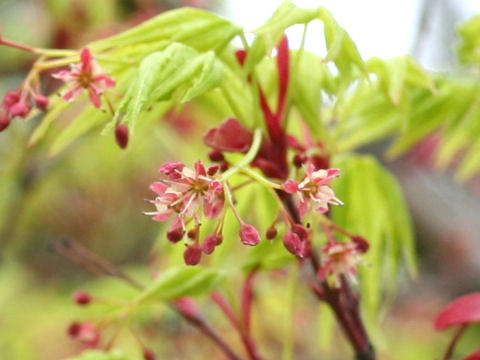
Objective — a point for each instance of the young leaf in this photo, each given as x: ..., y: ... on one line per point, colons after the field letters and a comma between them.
x: 462, y: 311
x: 199, y: 29
x: 182, y: 281
x: 178, y: 72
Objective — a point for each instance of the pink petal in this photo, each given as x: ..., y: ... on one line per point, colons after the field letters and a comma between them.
x: 73, y: 93
x: 107, y: 81
x: 462, y: 311
x: 214, y: 208
x: 290, y: 186
x: 86, y: 60
x: 163, y: 216
x: 171, y: 167
x: 95, y: 95
x: 65, y: 75
x: 200, y: 168
x: 159, y: 187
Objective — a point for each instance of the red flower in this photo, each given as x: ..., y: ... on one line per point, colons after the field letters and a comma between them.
x: 87, y: 75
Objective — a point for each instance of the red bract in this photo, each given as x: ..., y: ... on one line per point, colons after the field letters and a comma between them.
x: 462, y: 311
x: 87, y: 75
x: 473, y: 356
x: 231, y: 135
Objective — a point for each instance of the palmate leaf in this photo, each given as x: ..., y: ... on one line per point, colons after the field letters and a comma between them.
x: 181, y: 281
x: 375, y: 208
x: 193, y: 27
x: 179, y: 72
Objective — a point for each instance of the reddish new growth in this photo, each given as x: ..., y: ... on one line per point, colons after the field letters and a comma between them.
x: 87, y: 75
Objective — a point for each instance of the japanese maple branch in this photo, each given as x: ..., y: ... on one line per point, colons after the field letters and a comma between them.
x: 98, y: 266
x: 343, y: 302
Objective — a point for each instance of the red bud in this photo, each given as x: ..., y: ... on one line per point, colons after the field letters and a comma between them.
x: 192, y: 255
x: 82, y: 298
x: 249, y: 235
x: 271, y: 232
x: 121, y: 135
x: 148, y: 354
x: 4, y: 121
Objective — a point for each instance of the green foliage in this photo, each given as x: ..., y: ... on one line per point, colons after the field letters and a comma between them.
x: 468, y: 48
x: 181, y: 281
x: 99, y: 355
x: 179, y: 72
x: 375, y: 208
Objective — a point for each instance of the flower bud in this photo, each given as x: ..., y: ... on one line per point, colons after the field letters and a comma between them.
x: 299, y: 159
x: 192, y: 255
x: 210, y: 243
x: 216, y: 156
x: 148, y: 354
x: 21, y: 108
x: 11, y: 98
x: 249, y: 235
x: 82, y: 298
x: 187, y: 307
x: 212, y: 170
x: 41, y: 102
x: 88, y: 335
x: 361, y: 243
x: 73, y: 329
x: 4, y: 121
x: 121, y: 135
x: 320, y: 162
x: 192, y: 234
x: 271, y: 232
x: 224, y: 166
x: 241, y: 56
x: 293, y: 243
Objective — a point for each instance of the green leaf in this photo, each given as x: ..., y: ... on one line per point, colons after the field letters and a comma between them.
x: 182, y: 281
x: 340, y: 46
x: 375, y: 208
x: 310, y: 77
x: 179, y: 72
x: 199, y: 29
x: 99, y: 355
x: 87, y: 120
x: 270, y: 33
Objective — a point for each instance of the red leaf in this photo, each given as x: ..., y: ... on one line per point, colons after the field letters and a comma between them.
x: 464, y: 310
x: 283, y: 76
x: 231, y: 135
x: 473, y: 356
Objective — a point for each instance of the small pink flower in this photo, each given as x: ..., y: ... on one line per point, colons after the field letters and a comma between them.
x: 314, y: 190
x: 340, y: 258
x: 249, y: 235
x: 87, y: 75
x: 186, y: 194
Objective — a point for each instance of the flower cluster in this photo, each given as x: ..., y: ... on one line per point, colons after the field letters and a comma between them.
x: 87, y: 75
x: 342, y: 258
x: 19, y: 103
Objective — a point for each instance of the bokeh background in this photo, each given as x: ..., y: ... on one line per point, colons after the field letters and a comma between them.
x: 94, y: 193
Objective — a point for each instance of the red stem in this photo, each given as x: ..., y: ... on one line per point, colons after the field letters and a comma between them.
x: 247, y: 340
x: 15, y: 45
x: 453, y: 342
x: 247, y: 297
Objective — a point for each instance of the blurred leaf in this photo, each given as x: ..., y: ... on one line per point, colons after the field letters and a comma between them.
x: 462, y: 311
x: 99, y: 355
x: 176, y: 282
x: 375, y: 208
x: 468, y: 49
x: 199, y: 29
